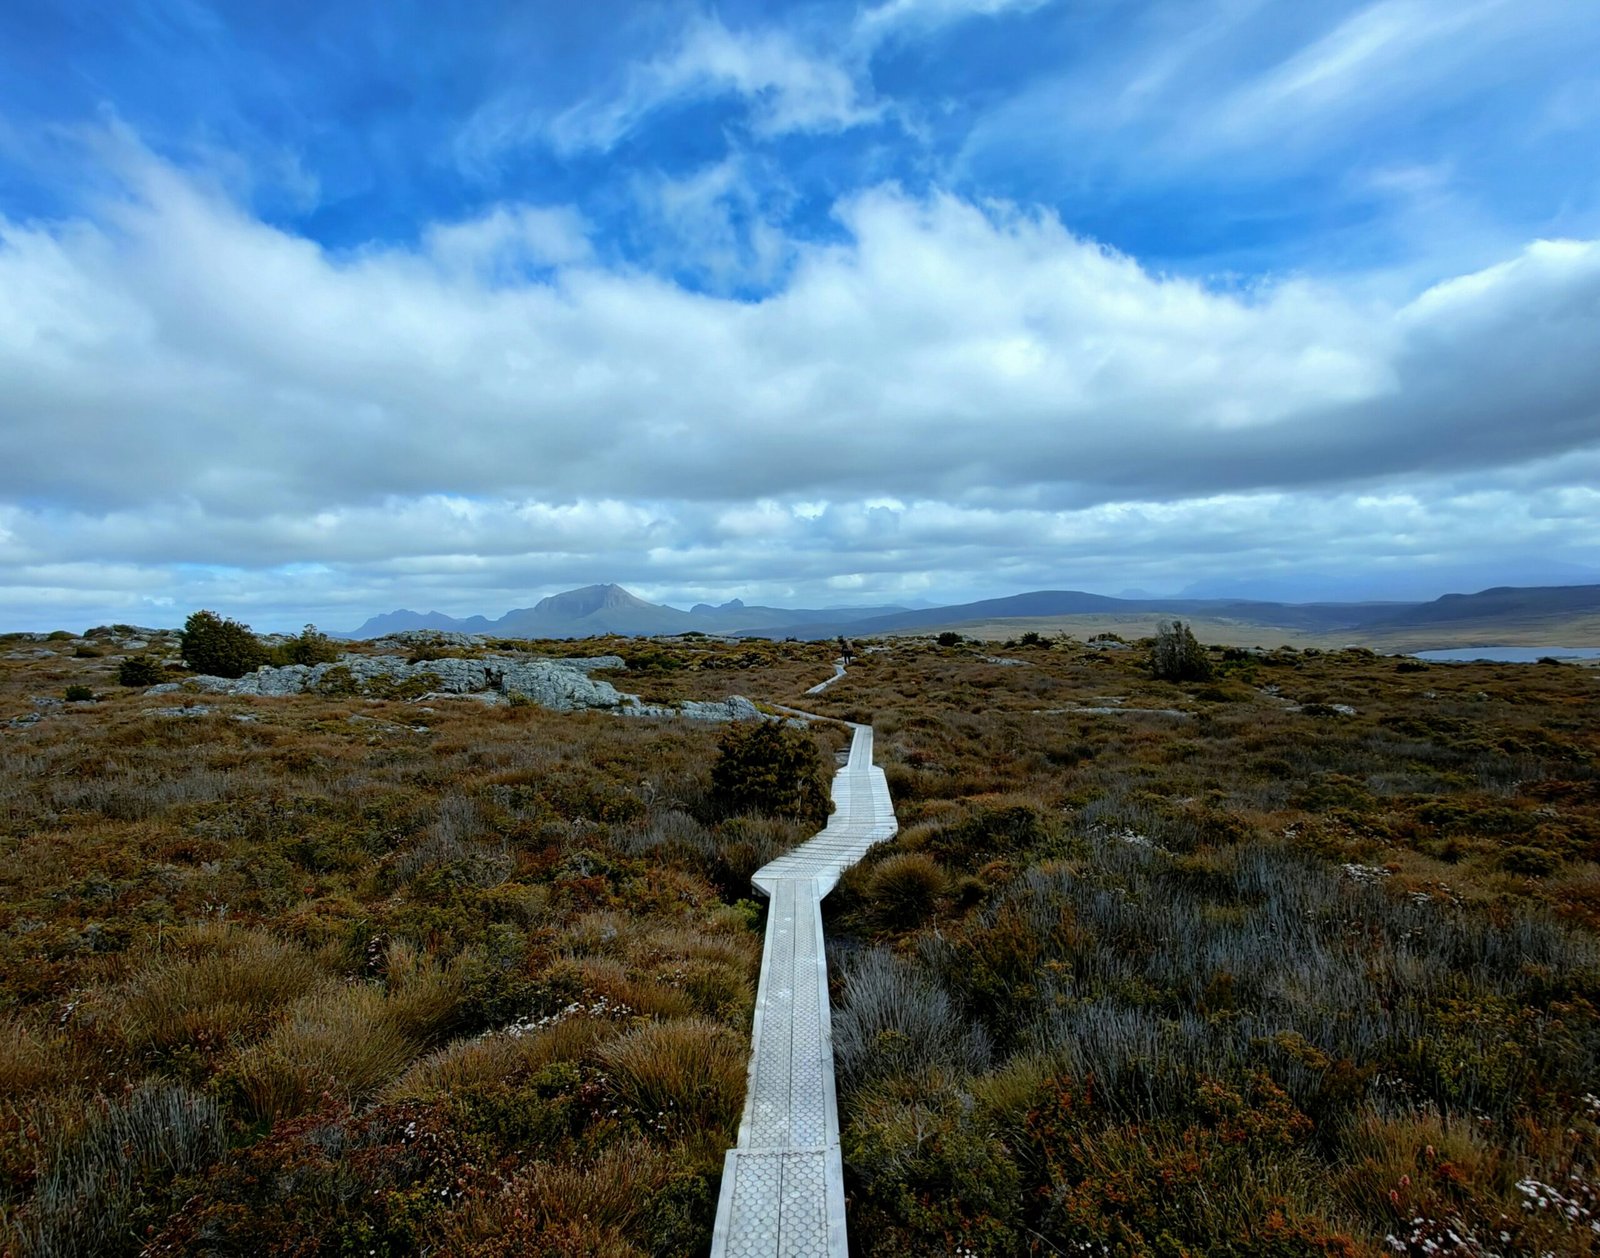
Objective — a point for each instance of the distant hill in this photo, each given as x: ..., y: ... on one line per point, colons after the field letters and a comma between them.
x: 607, y: 609
x: 1503, y: 603
x: 1487, y: 616
x: 1309, y: 617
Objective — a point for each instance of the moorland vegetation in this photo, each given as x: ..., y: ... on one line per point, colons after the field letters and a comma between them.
x: 1296, y: 958
x: 342, y: 975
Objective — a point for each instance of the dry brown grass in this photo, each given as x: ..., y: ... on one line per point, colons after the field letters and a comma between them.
x: 565, y: 1209
x: 494, y: 1058
x: 682, y: 1076
x: 217, y: 987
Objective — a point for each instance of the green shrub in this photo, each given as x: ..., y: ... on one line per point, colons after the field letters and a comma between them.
x: 1177, y: 656
x: 139, y: 670
x: 309, y: 646
x: 221, y: 648
x: 903, y: 889
x: 77, y: 694
x: 949, y: 638
x: 770, y: 768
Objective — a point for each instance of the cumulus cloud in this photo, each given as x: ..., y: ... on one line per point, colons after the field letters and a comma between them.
x: 957, y: 388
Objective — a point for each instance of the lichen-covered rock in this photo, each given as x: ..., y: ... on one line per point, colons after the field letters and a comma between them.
x: 561, y: 684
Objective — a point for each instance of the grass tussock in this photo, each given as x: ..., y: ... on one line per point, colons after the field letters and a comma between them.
x: 686, y: 1075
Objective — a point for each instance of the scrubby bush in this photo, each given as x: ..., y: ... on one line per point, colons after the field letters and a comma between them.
x: 949, y: 638
x: 686, y: 1075
x: 221, y: 648
x: 309, y: 646
x: 139, y: 670
x: 894, y: 1021
x: 1177, y: 656
x: 768, y: 767
x: 100, y: 1183
x: 77, y: 694
x: 903, y: 888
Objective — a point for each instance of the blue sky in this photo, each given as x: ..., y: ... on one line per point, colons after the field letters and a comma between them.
x: 313, y: 310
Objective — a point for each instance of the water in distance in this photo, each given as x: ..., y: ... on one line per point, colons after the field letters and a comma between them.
x: 1511, y: 654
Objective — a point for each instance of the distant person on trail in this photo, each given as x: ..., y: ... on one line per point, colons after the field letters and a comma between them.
x: 844, y: 651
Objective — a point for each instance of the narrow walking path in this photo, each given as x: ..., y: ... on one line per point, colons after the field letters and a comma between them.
x: 838, y: 672
x: 783, y: 1184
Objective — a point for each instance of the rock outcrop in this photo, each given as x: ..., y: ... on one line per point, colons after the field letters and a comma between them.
x: 563, y: 685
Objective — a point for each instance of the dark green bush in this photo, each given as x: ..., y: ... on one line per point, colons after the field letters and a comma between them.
x: 949, y: 638
x: 770, y: 768
x: 78, y: 694
x: 221, y: 648
x: 139, y: 670
x: 1177, y: 656
x: 309, y: 646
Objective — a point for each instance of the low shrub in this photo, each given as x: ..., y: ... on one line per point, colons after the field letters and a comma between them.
x: 140, y: 670
x: 682, y: 1076
x: 902, y: 890
x: 766, y: 767
x: 309, y: 646
x: 217, y: 647
x: 1177, y: 656
x: 103, y: 1184
x: 78, y: 694
x: 892, y: 1020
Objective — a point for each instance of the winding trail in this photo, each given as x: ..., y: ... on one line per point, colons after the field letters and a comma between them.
x: 838, y: 672
x: 783, y: 1183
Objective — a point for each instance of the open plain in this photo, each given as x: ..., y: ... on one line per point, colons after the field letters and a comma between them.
x: 1299, y: 959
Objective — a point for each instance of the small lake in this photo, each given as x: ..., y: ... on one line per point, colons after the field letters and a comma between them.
x: 1510, y: 654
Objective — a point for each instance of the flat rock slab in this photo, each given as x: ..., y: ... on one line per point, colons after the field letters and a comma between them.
x: 783, y: 1184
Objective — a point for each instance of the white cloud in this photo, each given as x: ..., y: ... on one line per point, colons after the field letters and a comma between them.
x: 879, y: 21
x: 789, y: 88
x: 966, y: 390
x: 509, y: 239
x: 1387, y: 49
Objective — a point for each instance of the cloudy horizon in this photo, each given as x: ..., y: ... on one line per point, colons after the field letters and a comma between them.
x: 314, y: 312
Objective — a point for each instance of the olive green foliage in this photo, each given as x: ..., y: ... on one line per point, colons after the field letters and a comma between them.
x: 767, y: 767
x: 78, y: 694
x: 221, y: 648
x: 309, y: 646
x: 1176, y: 655
x: 139, y: 670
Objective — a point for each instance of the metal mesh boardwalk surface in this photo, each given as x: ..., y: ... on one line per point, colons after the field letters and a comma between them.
x: 783, y: 1185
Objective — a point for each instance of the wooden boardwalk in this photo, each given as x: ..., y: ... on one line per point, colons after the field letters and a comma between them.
x: 783, y: 1184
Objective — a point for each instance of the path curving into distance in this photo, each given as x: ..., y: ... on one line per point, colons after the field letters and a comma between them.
x: 783, y: 1183
x: 838, y: 672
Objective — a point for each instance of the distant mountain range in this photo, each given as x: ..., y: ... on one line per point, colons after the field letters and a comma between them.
x: 610, y: 609
x: 603, y: 609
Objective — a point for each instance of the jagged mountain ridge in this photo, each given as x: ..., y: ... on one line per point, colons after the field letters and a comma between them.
x: 609, y: 609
